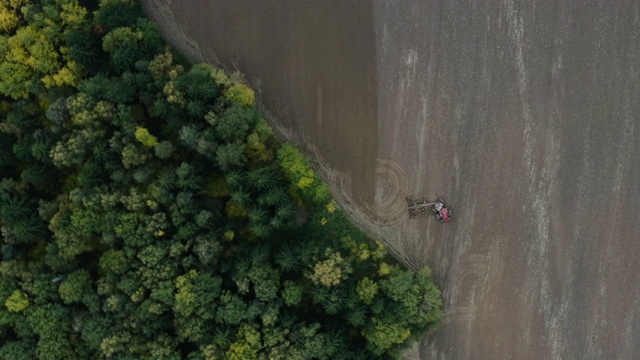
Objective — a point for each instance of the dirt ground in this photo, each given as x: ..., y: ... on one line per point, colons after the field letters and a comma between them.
x: 524, y: 115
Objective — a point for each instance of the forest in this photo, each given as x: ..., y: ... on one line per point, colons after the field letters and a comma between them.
x: 147, y: 211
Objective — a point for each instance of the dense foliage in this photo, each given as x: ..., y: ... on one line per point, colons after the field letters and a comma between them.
x: 147, y: 211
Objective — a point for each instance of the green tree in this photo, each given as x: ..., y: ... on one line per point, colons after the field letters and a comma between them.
x: 185, y: 301
x: 292, y: 293
x: 123, y: 47
x: 57, y: 111
x: 118, y: 13
x: 77, y: 288
x: 164, y: 150
x: 16, y: 350
x: 230, y: 156
x: 265, y: 281
x: 383, y: 335
x: 234, y: 123
x: 247, y: 345
x: 367, y: 290
x: 84, y: 48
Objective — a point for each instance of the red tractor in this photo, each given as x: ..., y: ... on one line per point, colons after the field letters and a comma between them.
x: 420, y: 205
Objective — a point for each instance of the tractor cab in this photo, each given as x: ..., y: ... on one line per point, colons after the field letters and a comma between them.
x: 444, y: 215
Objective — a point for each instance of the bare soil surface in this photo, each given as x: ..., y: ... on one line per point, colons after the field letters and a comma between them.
x: 524, y: 115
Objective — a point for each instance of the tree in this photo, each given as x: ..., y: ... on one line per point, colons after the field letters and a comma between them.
x: 20, y: 223
x: 247, y: 345
x: 118, y: 13
x: 232, y: 310
x: 367, y: 290
x: 265, y: 281
x: 17, y: 302
x: 128, y: 44
x: 84, y: 48
x: 229, y: 156
x: 292, y: 293
x: 185, y: 300
x: 198, y: 86
x: 234, y: 123
x: 114, y: 90
x: 145, y: 138
x: 257, y: 149
x: 239, y: 94
x: 77, y: 288
x: 133, y: 155
x: 383, y: 335
x: 6, y: 151
x: 299, y: 172
x: 114, y: 262
x: 263, y: 178
x: 123, y: 46
x: 17, y: 350
x: 164, y: 150
x: 57, y: 111
x: 331, y: 271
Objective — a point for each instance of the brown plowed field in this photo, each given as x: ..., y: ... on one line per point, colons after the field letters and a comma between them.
x: 524, y: 115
